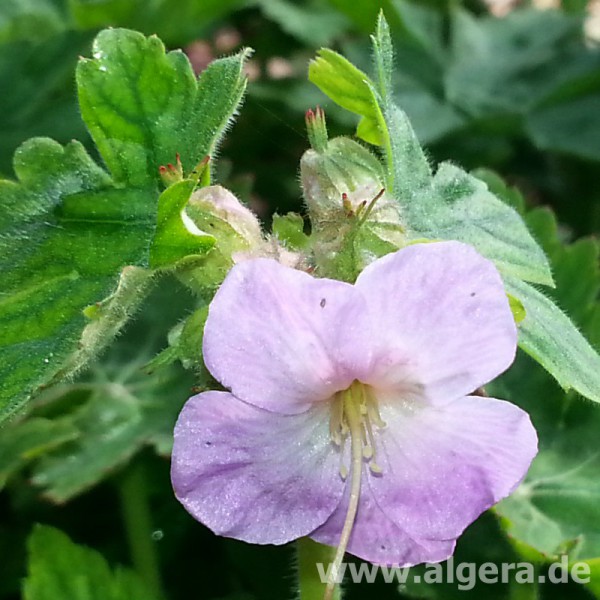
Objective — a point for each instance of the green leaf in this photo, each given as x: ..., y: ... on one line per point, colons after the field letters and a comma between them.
x: 419, y: 32
x: 408, y: 168
x: 551, y: 127
x: 58, y: 568
x: 25, y: 442
x: 452, y: 204
x: 189, y: 21
x: 177, y: 237
x: 39, y: 97
x: 509, y: 65
x: 547, y: 333
x: 460, y: 207
x: 313, y: 24
x: 29, y: 20
x: 127, y: 410
x: 517, y: 308
x: 557, y: 507
x: 143, y: 107
x: 594, y: 584
x: 76, y: 243
x: 289, y: 229
x: 349, y: 87
x: 552, y: 339
x: 61, y: 250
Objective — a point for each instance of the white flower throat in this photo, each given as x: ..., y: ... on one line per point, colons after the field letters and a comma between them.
x: 355, y: 412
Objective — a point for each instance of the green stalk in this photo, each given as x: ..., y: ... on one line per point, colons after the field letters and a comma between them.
x: 135, y: 509
x: 309, y: 582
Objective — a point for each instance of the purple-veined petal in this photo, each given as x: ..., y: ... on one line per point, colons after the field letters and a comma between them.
x: 281, y: 339
x: 255, y: 475
x: 442, y: 325
x: 376, y: 538
x: 442, y: 466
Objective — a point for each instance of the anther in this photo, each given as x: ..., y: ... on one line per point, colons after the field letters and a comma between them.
x: 375, y: 468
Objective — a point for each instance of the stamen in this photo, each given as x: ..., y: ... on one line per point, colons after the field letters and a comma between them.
x: 343, y: 471
x: 343, y: 467
x: 375, y: 468
x: 337, y: 413
x: 371, y: 442
x: 373, y: 410
x: 367, y: 440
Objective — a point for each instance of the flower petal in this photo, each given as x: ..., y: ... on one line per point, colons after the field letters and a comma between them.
x: 441, y: 319
x: 281, y: 339
x: 251, y: 474
x: 376, y: 538
x: 442, y: 466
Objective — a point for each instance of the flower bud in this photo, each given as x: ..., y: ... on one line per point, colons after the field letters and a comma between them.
x: 354, y: 220
x: 217, y: 211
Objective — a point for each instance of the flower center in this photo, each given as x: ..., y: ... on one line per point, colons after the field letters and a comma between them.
x: 353, y: 414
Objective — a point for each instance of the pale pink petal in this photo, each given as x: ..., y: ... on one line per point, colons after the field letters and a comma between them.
x: 251, y: 474
x: 442, y: 325
x: 281, y: 339
x: 376, y: 538
x: 442, y: 466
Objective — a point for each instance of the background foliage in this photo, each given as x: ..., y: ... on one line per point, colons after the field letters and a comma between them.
x: 516, y: 96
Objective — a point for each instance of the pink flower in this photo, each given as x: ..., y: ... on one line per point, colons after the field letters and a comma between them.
x: 350, y: 413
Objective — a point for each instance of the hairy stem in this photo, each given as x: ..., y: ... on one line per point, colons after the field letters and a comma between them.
x: 310, y: 582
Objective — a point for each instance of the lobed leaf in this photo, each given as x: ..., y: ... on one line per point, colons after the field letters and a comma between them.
x: 143, y: 107
x: 77, y: 246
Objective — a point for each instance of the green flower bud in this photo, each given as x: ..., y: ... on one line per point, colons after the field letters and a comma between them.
x: 354, y: 220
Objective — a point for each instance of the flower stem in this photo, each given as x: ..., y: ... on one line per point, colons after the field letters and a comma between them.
x: 135, y: 511
x: 310, y: 583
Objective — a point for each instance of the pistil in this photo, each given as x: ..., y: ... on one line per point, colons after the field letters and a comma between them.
x: 353, y: 411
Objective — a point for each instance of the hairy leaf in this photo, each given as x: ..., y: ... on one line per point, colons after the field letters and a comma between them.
x: 75, y: 243
x: 143, y: 107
